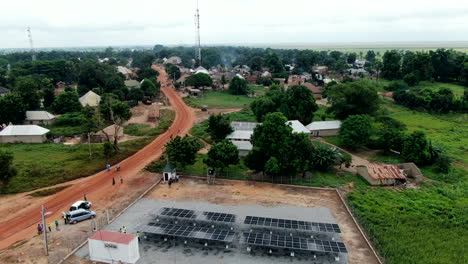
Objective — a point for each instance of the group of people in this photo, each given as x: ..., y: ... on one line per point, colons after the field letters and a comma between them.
x: 40, y: 227
x: 123, y: 230
x: 117, y: 168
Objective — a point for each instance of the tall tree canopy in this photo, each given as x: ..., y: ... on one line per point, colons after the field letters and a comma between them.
x: 7, y: 170
x: 352, y: 98
x: 12, y: 109
x: 391, y: 65
x: 219, y: 126
x: 238, y: 86
x: 222, y: 154
x: 356, y: 130
x: 199, y: 80
x: 182, y: 151
x: 66, y: 102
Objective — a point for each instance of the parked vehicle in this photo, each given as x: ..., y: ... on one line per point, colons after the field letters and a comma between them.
x: 80, y: 205
x: 78, y: 215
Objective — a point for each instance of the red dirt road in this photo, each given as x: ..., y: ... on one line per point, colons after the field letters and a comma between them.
x: 22, y: 225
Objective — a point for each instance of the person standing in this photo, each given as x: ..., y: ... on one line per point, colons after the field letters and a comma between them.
x: 108, y: 167
x: 49, y: 226
x: 57, y: 225
x: 121, y: 179
x: 39, y: 229
x: 64, y: 219
x: 113, y: 181
x: 117, y: 167
x: 139, y: 236
x: 84, y: 197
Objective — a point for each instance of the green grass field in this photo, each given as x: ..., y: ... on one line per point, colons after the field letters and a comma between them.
x: 41, y: 165
x: 435, y: 86
x: 448, y: 130
x: 220, y: 99
x: 167, y: 116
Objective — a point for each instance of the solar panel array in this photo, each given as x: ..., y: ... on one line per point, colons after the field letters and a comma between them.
x: 298, y: 243
x: 292, y: 224
x: 219, y: 217
x: 188, y: 232
x: 176, y: 212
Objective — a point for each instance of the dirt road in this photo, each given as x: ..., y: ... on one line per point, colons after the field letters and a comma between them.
x: 21, y: 224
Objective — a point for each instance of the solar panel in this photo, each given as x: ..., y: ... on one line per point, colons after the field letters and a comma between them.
x: 292, y: 224
x: 298, y: 243
x: 177, y: 212
x: 219, y: 217
x: 188, y: 232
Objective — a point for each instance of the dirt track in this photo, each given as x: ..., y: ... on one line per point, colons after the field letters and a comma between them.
x: 21, y: 225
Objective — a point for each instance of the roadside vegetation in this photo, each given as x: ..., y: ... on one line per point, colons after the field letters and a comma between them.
x: 167, y: 116
x: 42, y: 165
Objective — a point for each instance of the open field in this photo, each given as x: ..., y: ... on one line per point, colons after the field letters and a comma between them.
x: 448, y: 130
x: 41, y: 165
x: 220, y: 99
x: 426, y: 226
x: 435, y: 86
x: 167, y: 116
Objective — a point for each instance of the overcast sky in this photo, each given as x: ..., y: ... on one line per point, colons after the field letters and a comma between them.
x: 66, y: 23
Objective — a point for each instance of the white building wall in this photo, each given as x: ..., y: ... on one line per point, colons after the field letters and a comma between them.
x: 23, y: 139
x: 126, y: 253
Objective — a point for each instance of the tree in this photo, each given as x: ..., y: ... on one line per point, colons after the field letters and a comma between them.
x: 136, y: 94
x: 219, y: 127
x: 222, y: 154
x: 299, y: 104
x: 351, y: 58
x: 27, y: 89
x: 416, y: 148
x: 356, y: 130
x: 391, y: 139
x: 324, y: 157
x: 199, y: 80
x: 7, y: 171
x: 117, y: 113
x: 353, y: 98
x: 12, y: 109
x: 223, y: 80
x: 173, y: 71
x: 256, y: 63
x: 149, y: 88
x: 464, y: 73
x: 370, y: 56
x: 273, y: 62
x: 272, y: 167
x: 238, y: 86
x: 49, y: 97
x: 66, y: 102
x: 271, y: 140
x: 262, y: 106
x: 391, y: 65
x: 182, y: 151
x: 411, y: 79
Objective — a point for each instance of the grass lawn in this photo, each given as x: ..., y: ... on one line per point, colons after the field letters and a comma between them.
x: 220, y: 99
x: 435, y: 86
x: 41, y: 165
x: 448, y: 130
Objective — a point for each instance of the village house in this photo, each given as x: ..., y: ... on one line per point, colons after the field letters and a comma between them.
x: 39, y: 118
x: 23, y: 134
x: 90, y: 99
x: 251, y: 79
x: 377, y: 174
x: 4, y: 91
x: 107, y: 134
x: 169, y: 172
x: 360, y: 63
x: 132, y: 84
x: 317, y: 92
x: 320, y: 69
x: 324, y: 128
x: 125, y: 72
x: 172, y: 60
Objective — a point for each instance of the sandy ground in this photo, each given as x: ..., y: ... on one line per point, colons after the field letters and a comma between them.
x: 22, y: 213
x: 265, y: 194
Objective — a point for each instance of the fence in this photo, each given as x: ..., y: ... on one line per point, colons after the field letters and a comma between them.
x: 236, y: 174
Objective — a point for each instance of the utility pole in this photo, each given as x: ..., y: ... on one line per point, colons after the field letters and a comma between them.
x: 197, y: 42
x: 44, y: 228
x: 89, y: 145
x: 33, y: 52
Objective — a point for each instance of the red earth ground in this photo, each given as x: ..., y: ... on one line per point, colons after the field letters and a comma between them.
x: 21, y: 224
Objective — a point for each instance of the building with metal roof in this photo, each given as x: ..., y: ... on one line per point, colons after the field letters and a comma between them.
x: 90, y: 99
x: 23, y: 134
x: 324, y: 128
x: 378, y: 174
x: 39, y: 118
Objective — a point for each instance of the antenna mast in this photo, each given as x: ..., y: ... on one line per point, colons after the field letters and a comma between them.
x: 33, y: 52
x: 197, y: 43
